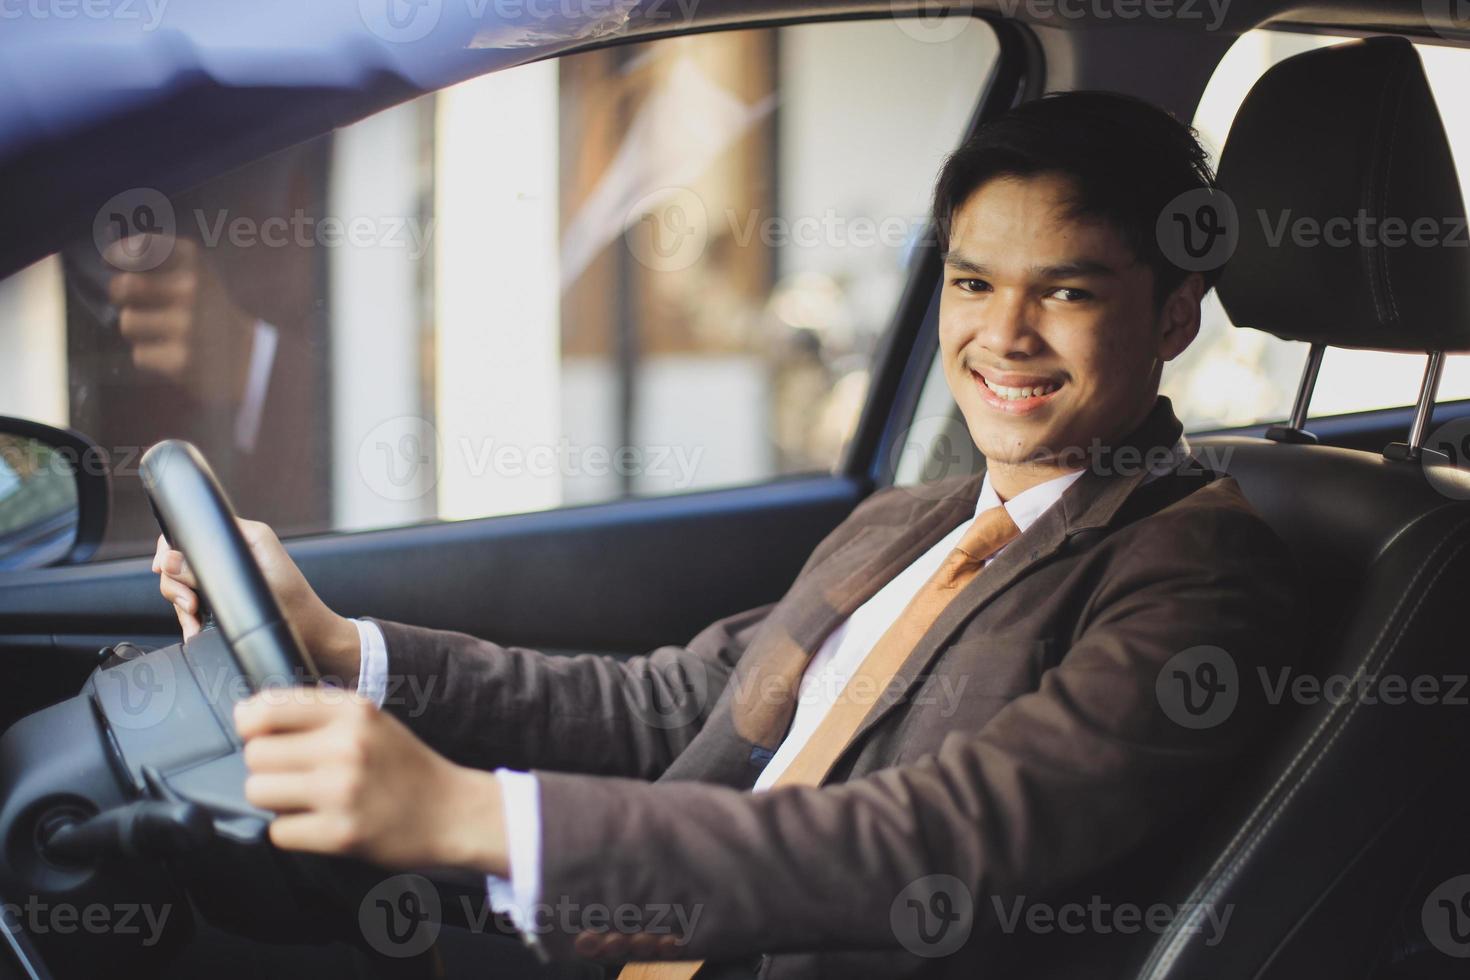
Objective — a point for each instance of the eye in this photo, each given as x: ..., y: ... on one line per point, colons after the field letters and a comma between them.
x: 1069, y: 294
x: 971, y: 285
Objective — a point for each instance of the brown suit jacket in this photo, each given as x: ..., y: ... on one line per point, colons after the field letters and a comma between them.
x: 1033, y: 737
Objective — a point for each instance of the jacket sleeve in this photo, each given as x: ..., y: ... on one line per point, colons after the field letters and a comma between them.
x: 1060, y: 783
x: 487, y: 705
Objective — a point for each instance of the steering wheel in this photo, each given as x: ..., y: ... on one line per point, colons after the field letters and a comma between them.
x: 197, y: 519
x: 133, y: 790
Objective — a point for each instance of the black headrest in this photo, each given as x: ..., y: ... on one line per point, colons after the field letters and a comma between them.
x: 1346, y: 142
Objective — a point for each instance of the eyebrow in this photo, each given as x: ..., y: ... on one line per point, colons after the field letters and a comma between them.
x: 1063, y: 270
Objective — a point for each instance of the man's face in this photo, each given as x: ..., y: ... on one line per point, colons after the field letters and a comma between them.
x: 1048, y: 328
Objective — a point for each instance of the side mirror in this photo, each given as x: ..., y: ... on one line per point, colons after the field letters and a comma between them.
x: 55, y: 493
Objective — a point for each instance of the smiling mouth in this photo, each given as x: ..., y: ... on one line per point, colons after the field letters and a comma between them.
x: 1021, y: 393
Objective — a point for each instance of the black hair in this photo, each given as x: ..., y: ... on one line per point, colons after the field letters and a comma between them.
x: 1126, y: 159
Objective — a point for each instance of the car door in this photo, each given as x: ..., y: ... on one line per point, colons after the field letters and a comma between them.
x: 581, y: 355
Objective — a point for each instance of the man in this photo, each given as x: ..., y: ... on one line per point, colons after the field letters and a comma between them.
x: 978, y: 694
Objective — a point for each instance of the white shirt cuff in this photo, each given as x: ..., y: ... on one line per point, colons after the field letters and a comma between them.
x: 517, y: 897
x: 372, y: 672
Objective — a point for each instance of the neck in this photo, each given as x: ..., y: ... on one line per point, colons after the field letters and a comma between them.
x: 1010, y: 479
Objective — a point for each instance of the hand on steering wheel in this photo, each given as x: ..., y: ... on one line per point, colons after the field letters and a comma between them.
x: 330, y: 639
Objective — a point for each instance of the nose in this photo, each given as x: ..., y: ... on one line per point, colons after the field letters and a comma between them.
x: 1005, y: 326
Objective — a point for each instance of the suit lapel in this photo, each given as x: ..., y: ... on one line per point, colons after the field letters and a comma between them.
x: 769, y: 678
x: 1088, y: 504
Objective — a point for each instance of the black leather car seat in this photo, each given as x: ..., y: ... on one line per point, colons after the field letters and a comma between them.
x: 1331, y: 856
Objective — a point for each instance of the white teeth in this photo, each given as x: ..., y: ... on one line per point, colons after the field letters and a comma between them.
x: 1011, y: 394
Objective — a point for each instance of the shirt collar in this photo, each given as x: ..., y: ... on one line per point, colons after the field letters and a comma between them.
x: 1026, y: 506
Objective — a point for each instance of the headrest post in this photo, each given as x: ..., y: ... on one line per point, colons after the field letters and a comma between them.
x: 1423, y: 411
x: 1296, y: 429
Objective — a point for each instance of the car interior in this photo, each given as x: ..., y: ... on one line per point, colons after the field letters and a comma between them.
x: 1332, y: 847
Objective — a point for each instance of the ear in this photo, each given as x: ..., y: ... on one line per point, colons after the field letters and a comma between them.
x: 1180, y: 316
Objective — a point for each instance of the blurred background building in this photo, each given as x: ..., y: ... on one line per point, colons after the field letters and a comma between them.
x: 643, y: 270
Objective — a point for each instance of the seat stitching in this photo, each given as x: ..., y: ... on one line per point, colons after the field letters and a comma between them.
x: 1254, y: 835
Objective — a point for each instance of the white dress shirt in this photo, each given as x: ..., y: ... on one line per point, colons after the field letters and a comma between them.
x: 829, y: 670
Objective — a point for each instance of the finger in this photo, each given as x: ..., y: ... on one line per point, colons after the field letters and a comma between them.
x: 176, y: 567
x: 289, y: 752
x: 318, y: 833
x: 185, y: 599
x: 142, y: 251
x: 284, y: 792
x: 158, y: 552
x: 170, y: 359
x: 154, y: 289
x: 153, y: 326
x: 188, y: 623
x: 292, y: 709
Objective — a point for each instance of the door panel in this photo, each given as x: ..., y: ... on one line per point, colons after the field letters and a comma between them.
x: 612, y: 578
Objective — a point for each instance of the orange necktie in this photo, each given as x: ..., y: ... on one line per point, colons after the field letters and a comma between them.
x: 992, y: 530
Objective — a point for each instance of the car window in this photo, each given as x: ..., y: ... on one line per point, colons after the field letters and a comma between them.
x: 1231, y: 377
x: 647, y: 269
